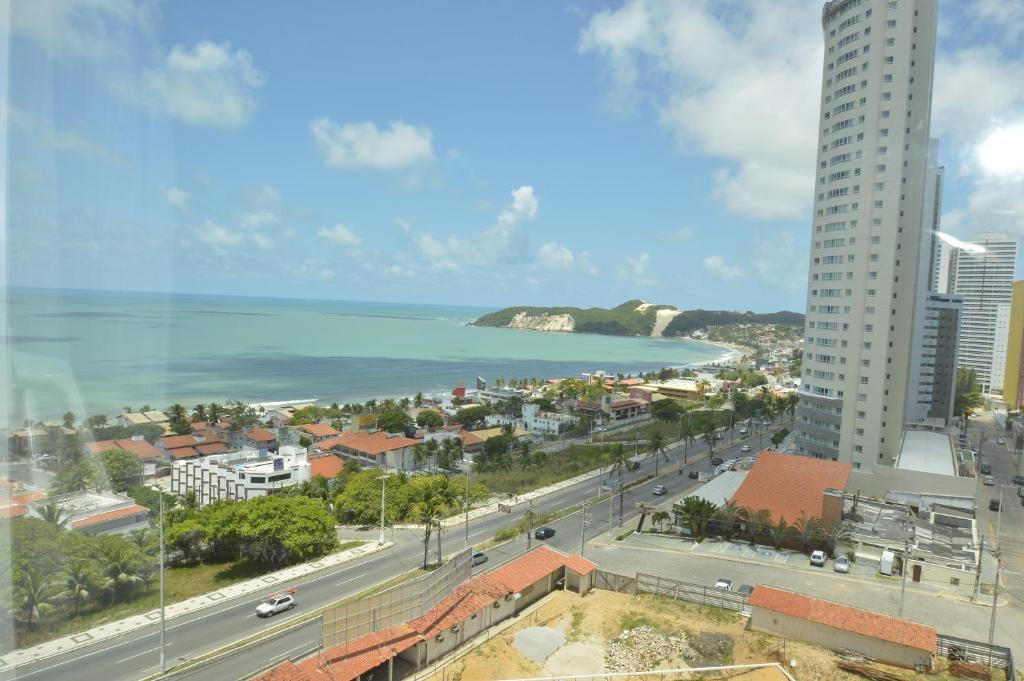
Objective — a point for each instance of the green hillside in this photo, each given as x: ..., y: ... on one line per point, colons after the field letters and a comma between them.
x: 691, y: 320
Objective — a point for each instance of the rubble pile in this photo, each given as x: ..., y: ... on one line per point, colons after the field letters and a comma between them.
x: 643, y: 648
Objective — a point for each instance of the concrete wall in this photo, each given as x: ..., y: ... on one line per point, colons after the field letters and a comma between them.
x: 788, y: 626
x: 537, y: 590
x: 881, y: 480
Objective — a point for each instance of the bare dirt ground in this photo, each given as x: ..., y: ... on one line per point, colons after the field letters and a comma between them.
x: 717, y: 637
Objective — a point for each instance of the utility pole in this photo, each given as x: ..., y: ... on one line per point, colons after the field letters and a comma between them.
x: 383, y: 478
x: 163, y: 628
x: 466, y: 464
x: 995, y: 600
x: 977, y: 574
x: 529, y: 526
x: 906, y: 566
x: 610, y: 498
x: 583, y: 526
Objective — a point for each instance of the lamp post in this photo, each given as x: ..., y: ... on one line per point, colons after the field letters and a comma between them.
x: 163, y: 629
x: 383, y: 479
x: 467, y: 504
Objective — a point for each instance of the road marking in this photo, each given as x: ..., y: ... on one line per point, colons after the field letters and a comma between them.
x: 346, y: 581
x: 288, y: 653
x: 144, y: 652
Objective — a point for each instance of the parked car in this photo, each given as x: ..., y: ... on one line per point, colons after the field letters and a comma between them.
x: 988, y: 481
x: 716, y: 461
x: 743, y: 431
x: 745, y: 448
x: 725, y: 584
x: 659, y: 490
x: 746, y: 590
x: 274, y: 605
x: 1020, y: 491
x: 544, y: 533
x: 479, y: 557
x: 1018, y: 479
x: 693, y: 476
x: 1001, y: 441
x: 986, y: 469
x: 842, y: 564
x: 993, y: 505
x: 818, y: 559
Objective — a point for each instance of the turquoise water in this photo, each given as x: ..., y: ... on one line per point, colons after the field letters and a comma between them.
x: 92, y: 352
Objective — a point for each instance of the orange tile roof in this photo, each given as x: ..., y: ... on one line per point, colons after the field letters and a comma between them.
x: 327, y: 466
x: 318, y: 429
x: 286, y: 671
x: 134, y: 509
x: 847, y: 618
x: 212, y: 448
x: 139, y: 448
x: 790, y: 486
x: 175, y: 441
x: 184, y: 453
x: 356, y: 657
x: 260, y: 435
x: 530, y: 567
x: 371, y: 444
x: 469, y: 438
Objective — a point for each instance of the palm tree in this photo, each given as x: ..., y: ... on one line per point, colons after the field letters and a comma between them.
x: 79, y: 582
x: 806, y: 529
x: 727, y: 517
x: 199, y: 412
x: 417, y: 401
x: 419, y: 454
x: 659, y: 518
x: 55, y: 515
x: 656, y: 443
x: 618, y: 459
x: 833, y: 534
x: 756, y: 522
x: 214, y: 412
x: 708, y: 438
x: 144, y: 541
x: 696, y: 512
x: 523, y: 453
x: 429, y: 511
x: 122, y: 572
x: 73, y: 479
x: 34, y: 592
x: 778, y: 532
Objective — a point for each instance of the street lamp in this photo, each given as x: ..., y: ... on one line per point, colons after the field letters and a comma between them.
x: 383, y: 479
x: 467, y: 464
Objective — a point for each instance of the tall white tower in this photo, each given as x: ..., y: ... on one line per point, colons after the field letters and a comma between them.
x: 870, y: 187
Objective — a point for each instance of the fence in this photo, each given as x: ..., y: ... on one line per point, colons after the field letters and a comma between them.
x: 609, y: 581
x: 966, y: 650
x: 695, y: 593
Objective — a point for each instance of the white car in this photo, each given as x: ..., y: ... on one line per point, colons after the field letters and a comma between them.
x: 842, y: 565
x: 818, y: 558
x: 275, y: 605
x: 745, y: 448
x: 724, y: 584
x: 1001, y: 441
x: 988, y: 481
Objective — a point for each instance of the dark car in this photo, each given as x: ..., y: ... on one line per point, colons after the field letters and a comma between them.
x: 717, y: 461
x: 993, y: 505
x: 544, y: 533
x: 1018, y: 479
x: 746, y: 590
x: 986, y: 469
x: 694, y: 475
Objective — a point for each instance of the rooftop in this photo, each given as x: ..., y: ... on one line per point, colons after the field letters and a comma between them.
x: 720, y: 489
x: 830, y: 614
x: 260, y: 435
x: 927, y: 452
x: 318, y: 429
x: 790, y: 486
x: 364, y: 442
x: 139, y: 447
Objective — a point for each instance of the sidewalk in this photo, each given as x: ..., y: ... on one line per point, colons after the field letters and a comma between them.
x: 265, y: 583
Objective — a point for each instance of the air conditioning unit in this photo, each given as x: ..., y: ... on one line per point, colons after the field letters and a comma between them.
x: 440, y: 638
x: 455, y: 629
x: 497, y: 605
x: 508, y: 597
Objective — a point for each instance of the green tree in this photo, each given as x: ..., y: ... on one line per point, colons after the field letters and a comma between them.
x: 123, y: 469
x: 199, y: 413
x: 695, y: 513
x: 471, y: 417
x: 667, y: 410
x: 429, y: 419
x: 417, y: 401
x: 429, y: 512
x: 778, y: 532
x: 69, y: 420
x: 35, y: 591
x: 74, y: 478
x: 834, y: 534
x: 659, y: 518
x: 968, y: 393
x: 122, y: 570
x: 779, y: 436
x: 708, y: 438
x: 97, y: 421
x: 179, y: 420
x: 79, y: 580
x: 806, y: 529
x: 55, y: 515
x: 393, y: 421
x: 187, y: 537
x: 656, y: 443
x: 756, y: 522
x: 617, y: 459
x: 727, y: 517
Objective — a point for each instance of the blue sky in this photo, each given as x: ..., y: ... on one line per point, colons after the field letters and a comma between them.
x: 466, y: 153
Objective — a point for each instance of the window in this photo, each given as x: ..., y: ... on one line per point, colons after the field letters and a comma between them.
x: 887, y: 78
x: 891, y: 23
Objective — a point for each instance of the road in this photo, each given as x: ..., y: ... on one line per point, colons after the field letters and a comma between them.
x: 136, y: 654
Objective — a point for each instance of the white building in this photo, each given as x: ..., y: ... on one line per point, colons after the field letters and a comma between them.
x: 985, y: 281
x: 95, y: 511
x: 549, y: 423
x: 870, y: 203
x: 239, y: 475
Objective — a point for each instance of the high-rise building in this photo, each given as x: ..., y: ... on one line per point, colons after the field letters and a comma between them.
x: 983, y: 277
x: 941, y: 275
x: 869, y: 210
x: 1013, y: 376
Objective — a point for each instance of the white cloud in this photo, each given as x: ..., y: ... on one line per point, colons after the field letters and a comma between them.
x: 524, y: 206
x: 779, y: 262
x: 440, y: 254
x: 59, y: 139
x: 260, y: 219
x: 364, y: 145
x: 263, y: 242
x: 89, y: 29
x: 554, y: 256
x: 208, y: 84
x: 716, y: 266
x: 1002, y: 153
x: 714, y: 75
x: 326, y: 274
x: 974, y: 89
x: 214, y: 234
x: 339, y: 234
x: 176, y: 197
x: 636, y: 268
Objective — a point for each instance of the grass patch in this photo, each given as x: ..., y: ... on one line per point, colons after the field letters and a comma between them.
x: 181, y: 583
x: 624, y: 535
x: 574, y: 461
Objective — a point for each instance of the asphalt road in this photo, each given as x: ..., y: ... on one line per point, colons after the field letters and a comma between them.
x: 136, y: 654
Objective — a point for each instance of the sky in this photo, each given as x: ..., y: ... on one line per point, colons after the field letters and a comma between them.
x: 488, y: 154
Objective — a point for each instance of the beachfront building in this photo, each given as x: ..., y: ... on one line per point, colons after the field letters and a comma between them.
x: 546, y: 422
x: 377, y: 448
x: 612, y: 407
x: 240, y: 475
x: 194, y: 445
x: 318, y: 432
x: 95, y: 512
x: 870, y: 212
x: 136, y: 444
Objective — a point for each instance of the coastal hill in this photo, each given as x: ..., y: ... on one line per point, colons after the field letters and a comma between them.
x: 631, y: 318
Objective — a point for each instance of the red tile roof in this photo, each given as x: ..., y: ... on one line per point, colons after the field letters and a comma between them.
x: 260, y: 435
x: 350, y: 660
x: 175, y: 441
x: 286, y: 671
x: 184, y: 453
x: 134, y: 509
x: 469, y: 438
x: 212, y: 448
x: 530, y: 567
x: 318, y: 429
x: 790, y: 486
x: 327, y: 466
x: 863, y: 622
x: 370, y: 444
x: 139, y: 448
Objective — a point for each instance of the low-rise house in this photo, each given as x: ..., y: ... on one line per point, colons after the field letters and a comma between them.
x: 136, y: 444
x: 96, y: 512
x: 384, y: 450
x: 193, y: 445
x: 260, y: 438
x: 546, y: 422
x: 326, y: 465
x: 240, y: 475
x: 318, y: 432
x: 615, y: 409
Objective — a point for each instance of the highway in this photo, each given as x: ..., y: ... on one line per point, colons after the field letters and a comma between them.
x: 136, y: 654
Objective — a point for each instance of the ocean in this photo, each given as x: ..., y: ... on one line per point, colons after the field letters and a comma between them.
x: 97, y: 352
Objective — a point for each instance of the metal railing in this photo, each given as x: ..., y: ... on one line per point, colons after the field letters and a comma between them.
x: 695, y: 593
x: 956, y: 648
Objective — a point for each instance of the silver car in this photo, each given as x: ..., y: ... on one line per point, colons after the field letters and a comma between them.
x: 842, y: 564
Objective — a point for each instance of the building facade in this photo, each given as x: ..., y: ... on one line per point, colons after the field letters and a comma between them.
x: 870, y: 206
x: 933, y: 373
x: 240, y: 475
x: 1013, y: 375
x: 984, y: 278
